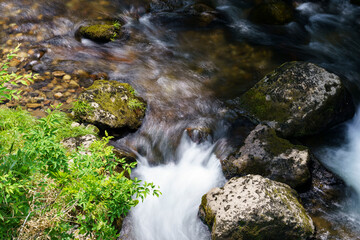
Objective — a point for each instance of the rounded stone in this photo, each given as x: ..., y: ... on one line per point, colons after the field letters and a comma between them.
x: 299, y: 99
x: 264, y: 153
x: 111, y: 104
x: 253, y: 207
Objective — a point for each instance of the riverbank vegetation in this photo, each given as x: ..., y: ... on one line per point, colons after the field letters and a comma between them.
x: 50, y: 192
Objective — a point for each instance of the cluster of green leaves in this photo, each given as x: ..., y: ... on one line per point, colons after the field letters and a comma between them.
x: 11, y: 78
x: 117, y: 26
x: 102, y: 192
x: 15, y: 122
x: 34, y: 150
x: 81, y: 108
x: 92, y: 193
x: 134, y: 104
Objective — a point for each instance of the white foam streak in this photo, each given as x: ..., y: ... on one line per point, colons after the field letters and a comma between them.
x: 345, y: 161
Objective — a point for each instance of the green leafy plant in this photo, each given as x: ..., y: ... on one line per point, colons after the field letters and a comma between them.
x: 102, y: 195
x: 51, y: 194
x: 136, y: 104
x: 116, y: 26
x: 81, y: 108
x: 7, y: 79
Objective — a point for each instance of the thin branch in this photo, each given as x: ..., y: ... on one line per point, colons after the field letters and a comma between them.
x: 24, y: 224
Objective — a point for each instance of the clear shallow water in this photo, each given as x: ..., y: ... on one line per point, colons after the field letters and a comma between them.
x: 187, y: 74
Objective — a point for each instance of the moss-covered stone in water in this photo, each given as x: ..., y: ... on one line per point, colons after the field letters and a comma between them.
x: 300, y: 98
x: 266, y: 154
x: 276, y: 145
x: 255, y: 102
x: 209, y: 217
x: 110, y: 102
x: 99, y: 32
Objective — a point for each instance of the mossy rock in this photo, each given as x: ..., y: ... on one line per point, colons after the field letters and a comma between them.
x: 272, y: 12
x: 99, y: 32
x: 112, y: 105
x: 266, y: 154
x: 253, y: 207
x: 299, y: 99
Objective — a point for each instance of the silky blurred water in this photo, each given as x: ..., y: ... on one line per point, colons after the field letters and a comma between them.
x: 193, y: 171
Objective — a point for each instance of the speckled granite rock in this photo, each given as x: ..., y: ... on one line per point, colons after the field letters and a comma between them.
x: 253, y: 207
x: 299, y: 99
x: 266, y: 154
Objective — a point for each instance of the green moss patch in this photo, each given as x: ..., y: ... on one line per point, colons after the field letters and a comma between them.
x: 115, y: 105
x: 254, y: 101
x: 100, y: 32
x: 276, y: 145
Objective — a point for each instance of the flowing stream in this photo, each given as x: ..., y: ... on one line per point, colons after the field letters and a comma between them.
x: 189, y: 74
x: 194, y: 171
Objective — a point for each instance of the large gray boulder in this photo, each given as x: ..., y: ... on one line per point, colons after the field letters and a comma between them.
x: 266, y: 154
x: 299, y: 99
x: 253, y: 207
x: 110, y: 104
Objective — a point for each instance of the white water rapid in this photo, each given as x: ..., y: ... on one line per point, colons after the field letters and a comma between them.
x: 173, y: 216
x: 345, y: 160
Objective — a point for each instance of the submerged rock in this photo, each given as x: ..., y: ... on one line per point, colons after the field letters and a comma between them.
x: 199, y: 135
x: 253, y: 207
x: 99, y: 32
x: 266, y: 154
x: 275, y: 12
x: 110, y: 104
x: 299, y: 99
x: 128, y: 156
x: 325, y: 196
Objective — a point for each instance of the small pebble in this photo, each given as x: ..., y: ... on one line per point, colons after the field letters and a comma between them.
x: 59, y: 73
x: 58, y: 88
x: 22, y: 55
x: 66, y: 77
x: 75, y: 124
x: 33, y: 105
x: 73, y: 84
x: 58, y: 95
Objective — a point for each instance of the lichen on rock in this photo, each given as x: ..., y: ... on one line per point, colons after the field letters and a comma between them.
x: 109, y: 101
x: 264, y: 153
x: 299, y: 99
x: 253, y: 207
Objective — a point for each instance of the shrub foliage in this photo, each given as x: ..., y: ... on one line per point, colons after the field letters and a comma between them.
x: 50, y: 193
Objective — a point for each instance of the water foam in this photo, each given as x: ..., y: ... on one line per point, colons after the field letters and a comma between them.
x: 193, y: 171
